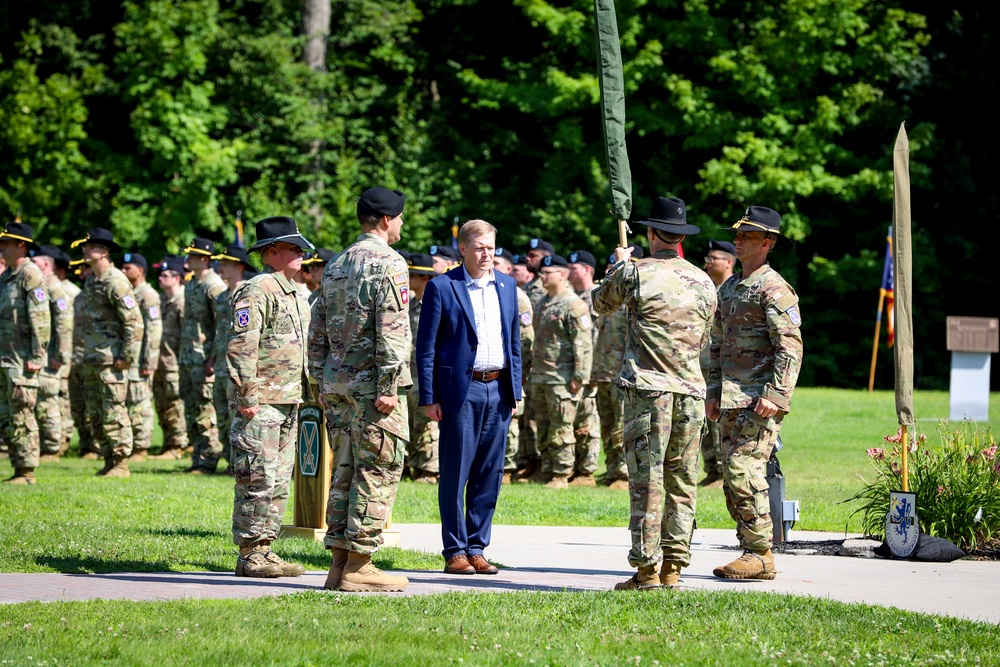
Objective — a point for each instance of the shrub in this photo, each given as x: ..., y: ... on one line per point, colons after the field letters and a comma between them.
x: 957, y: 484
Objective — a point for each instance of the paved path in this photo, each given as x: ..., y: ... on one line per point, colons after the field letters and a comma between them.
x: 562, y: 558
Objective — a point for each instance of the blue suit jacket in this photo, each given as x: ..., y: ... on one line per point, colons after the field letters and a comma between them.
x: 447, y: 341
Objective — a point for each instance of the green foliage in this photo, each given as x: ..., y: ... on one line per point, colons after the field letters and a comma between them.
x: 957, y: 485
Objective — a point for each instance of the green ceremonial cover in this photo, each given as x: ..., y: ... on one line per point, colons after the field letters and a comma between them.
x: 903, y: 255
x: 609, y: 56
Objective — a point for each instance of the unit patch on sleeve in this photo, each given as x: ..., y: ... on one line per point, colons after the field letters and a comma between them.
x: 61, y: 305
x: 793, y: 315
x: 39, y: 294
x: 526, y: 318
x: 243, y: 317
x: 154, y: 312
x: 129, y: 301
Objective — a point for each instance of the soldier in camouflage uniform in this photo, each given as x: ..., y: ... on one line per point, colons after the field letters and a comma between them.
x: 70, y: 289
x: 360, y: 345
x: 234, y: 268
x: 112, y: 338
x: 719, y: 263
x: 670, y: 304
x: 47, y: 409
x: 24, y: 339
x: 587, y: 426
x: 266, y: 357
x: 422, y: 455
x: 197, y: 342
x: 560, y: 368
x: 167, y: 378
x: 443, y: 257
x: 140, y: 375
x: 89, y: 449
x: 756, y: 355
x: 312, y: 270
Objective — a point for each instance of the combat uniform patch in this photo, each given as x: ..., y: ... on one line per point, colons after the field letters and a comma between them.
x: 243, y: 317
x: 585, y: 322
x: 401, y: 278
x: 404, y: 294
x: 61, y: 305
x: 526, y: 318
x: 128, y: 301
x: 154, y: 312
x: 39, y: 294
x: 242, y: 304
x: 793, y: 315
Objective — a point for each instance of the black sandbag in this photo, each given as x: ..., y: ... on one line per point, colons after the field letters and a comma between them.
x: 929, y: 549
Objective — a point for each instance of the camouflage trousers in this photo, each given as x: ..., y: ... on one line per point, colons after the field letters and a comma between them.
x: 587, y: 428
x: 527, y: 429
x: 422, y: 452
x: 555, y: 411
x: 17, y: 420
x: 78, y: 410
x: 367, y: 466
x: 661, y: 451
x: 140, y: 410
x: 48, y: 413
x: 610, y: 408
x: 220, y: 395
x: 170, y: 408
x: 747, y: 441
x: 197, y: 390
x: 711, y: 447
x: 65, y: 410
x: 263, y: 450
x: 511, y: 457
x: 106, y: 389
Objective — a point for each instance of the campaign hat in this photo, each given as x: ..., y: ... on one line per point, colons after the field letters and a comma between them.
x: 20, y: 231
x: 137, y: 259
x: 582, y: 257
x: 319, y: 256
x: 381, y: 201
x: 277, y: 229
x: 99, y: 236
x: 200, y: 246
x: 58, y: 256
x: 234, y: 253
x: 669, y: 214
x: 762, y: 219
x: 420, y: 264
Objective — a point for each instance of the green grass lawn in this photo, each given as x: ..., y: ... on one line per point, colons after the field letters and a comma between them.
x: 528, y: 628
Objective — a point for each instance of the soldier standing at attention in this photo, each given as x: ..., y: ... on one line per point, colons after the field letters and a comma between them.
x: 234, y: 268
x: 587, y: 426
x: 670, y: 304
x: 24, y: 339
x: 756, y: 356
x: 719, y: 263
x: 422, y: 455
x: 197, y: 340
x: 167, y: 378
x: 140, y: 375
x: 266, y: 355
x: 537, y: 251
x: 112, y: 338
x: 360, y: 345
x: 62, y: 262
x: 560, y: 368
x: 89, y: 449
x: 312, y: 270
x: 47, y: 409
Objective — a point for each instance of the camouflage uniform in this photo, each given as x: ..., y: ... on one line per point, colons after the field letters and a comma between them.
x: 65, y: 404
x: 86, y: 428
x: 266, y: 358
x: 139, y: 399
x: 223, y: 388
x: 197, y: 340
x: 167, y: 378
x: 756, y: 352
x: 47, y: 408
x: 562, y: 351
x: 24, y: 337
x: 535, y: 292
x: 524, y: 316
x: 359, y: 344
x: 112, y: 329
x: 609, y: 352
x: 587, y: 427
x: 422, y: 455
x: 527, y: 424
x: 711, y: 438
x: 670, y: 304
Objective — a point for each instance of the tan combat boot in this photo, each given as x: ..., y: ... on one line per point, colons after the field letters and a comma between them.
x: 252, y: 562
x: 361, y: 575
x: 645, y: 579
x: 338, y: 560
x: 119, y: 467
x: 90, y: 456
x: 524, y: 476
x: 21, y: 476
x: 287, y: 569
x: 619, y: 484
x: 670, y: 574
x: 558, y: 482
x: 109, y: 463
x: 583, y: 480
x: 427, y: 478
x: 138, y: 456
x: 505, y: 480
x: 171, y: 454
x: 751, y: 565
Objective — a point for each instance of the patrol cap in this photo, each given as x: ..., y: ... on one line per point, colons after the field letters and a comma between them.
x: 669, y: 215
x: 582, y: 257
x: 99, y: 236
x: 722, y: 246
x: 763, y: 219
x: 420, y: 264
x: 539, y: 244
x: 234, y: 253
x: 200, y: 246
x: 555, y: 260
x: 445, y: 251
x: 136, y: 259
x: 381, y: 201
x: 20, y: 231
x: 277, y: 229
x: 318, y: 257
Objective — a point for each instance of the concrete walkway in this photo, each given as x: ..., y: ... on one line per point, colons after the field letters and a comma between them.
x: 565, y: 558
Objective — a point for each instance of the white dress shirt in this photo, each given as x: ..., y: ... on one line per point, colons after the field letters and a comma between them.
x: 489, y: 326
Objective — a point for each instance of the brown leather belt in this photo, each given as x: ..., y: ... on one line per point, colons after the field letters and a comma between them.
x: 485, y: 376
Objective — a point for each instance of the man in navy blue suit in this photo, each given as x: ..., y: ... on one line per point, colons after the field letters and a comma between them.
x: 469, y: 365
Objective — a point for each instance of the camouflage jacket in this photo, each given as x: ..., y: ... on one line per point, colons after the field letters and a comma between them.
x: 563, y: 347
x: 60, y: 321
x: 536, y: 292
x: 198, y: 334
x: 609, y: 352
x: 110, y: 319
x: 360, y: 339
x: 669, y: 308
x: 223, y: 321
x: 172, y: 316
x: 152, y: 330
x: 266, y: 345
x: 76, y: 340
x: 525, y: 318
x: 414, y: 307
x: 24, y: 322
x: 756, y: 343
x: 588, y: 298
x: 78, y: 347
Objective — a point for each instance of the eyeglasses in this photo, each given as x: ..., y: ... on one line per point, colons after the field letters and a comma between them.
x: 711, y: 258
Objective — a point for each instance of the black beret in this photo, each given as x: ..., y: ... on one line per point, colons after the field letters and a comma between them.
x: 137, y: 259
x: 637, y: 253
x: 445, y: 251
x: 582, y: 257
x: 381, y: 201
x: 724, y: 246
x: 555, y: 260
x: 171, y: 263
x: 539, y: 244
x: 520, y: 259
x: 503, y: 253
